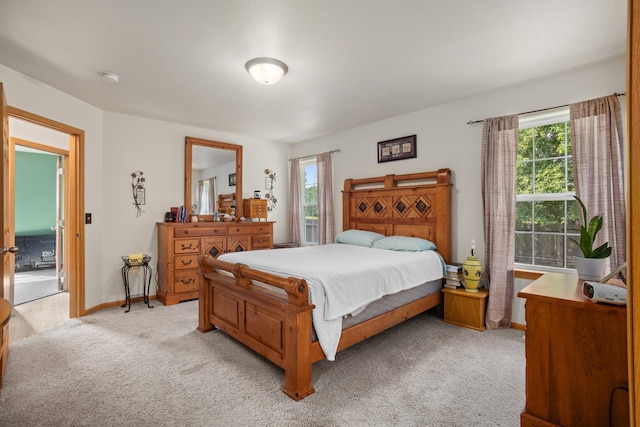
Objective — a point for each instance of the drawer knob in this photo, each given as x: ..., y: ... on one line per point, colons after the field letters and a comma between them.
x: 187, y: 262
x: 187, y: 247
x: 186, y: 282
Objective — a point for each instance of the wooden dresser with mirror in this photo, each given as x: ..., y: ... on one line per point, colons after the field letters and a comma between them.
x: 180, y: 244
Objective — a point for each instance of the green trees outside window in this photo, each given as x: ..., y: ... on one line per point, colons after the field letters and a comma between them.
x: 546, y: 212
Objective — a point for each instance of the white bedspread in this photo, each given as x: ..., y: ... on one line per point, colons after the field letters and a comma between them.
x: 344, y: 278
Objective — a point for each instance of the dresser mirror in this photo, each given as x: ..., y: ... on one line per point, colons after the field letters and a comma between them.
x: 211, y: 168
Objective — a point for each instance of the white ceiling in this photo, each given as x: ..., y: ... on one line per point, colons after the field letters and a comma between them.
x: 351, y: 62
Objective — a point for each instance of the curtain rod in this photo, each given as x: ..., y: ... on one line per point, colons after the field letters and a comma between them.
x: 473, y: 122
x: 312, y: 155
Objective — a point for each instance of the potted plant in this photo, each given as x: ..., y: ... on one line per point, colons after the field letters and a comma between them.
x: 591, y: 265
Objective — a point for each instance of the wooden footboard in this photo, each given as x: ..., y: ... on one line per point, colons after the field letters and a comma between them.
x: 277, y: 327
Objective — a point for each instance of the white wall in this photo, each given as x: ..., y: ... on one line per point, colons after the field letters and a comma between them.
x: 445, y: 140
x: 157, y: 149
x: 35, y: 97
x: 117, y: 145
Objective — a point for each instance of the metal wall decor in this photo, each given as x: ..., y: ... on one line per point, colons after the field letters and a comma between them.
x: 397, y: 149
x: 268, y: 185
x: 137, y: 189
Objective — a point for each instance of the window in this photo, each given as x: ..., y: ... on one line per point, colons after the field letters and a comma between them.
x: 309, y: 217
x: 546, y: 212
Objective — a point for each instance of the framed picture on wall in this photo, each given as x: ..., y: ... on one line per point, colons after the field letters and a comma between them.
x: 397, y: 149
x: 232, y: 180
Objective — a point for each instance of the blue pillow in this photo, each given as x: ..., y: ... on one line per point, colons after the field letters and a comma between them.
x: 404, y: 243
x: 358, y: 237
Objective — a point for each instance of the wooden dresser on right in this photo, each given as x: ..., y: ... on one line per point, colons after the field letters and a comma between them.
x: 576, y: 356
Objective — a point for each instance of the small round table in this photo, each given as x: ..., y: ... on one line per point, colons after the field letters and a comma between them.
x: 146, y: 281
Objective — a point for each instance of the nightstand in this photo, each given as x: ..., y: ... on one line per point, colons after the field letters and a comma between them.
x: 464, y: 308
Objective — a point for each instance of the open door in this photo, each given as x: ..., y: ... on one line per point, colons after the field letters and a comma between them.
x: 7, y: 248
x: 59, y: 227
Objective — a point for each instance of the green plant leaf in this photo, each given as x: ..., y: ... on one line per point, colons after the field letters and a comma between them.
x: 602, y: 251
x: 588, y: 231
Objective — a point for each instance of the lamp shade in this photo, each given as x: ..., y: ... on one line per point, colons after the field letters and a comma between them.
x: 266, y: 70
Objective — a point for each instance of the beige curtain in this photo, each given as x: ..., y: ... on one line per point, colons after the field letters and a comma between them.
x: 598, y: 166
x: 294, y: 202
x: 213, y: 194
x: 499, y: 148
x: 200, y: 197
x: 326, y: 232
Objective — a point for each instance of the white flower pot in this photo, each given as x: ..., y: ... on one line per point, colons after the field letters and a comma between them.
x: 590, y: 268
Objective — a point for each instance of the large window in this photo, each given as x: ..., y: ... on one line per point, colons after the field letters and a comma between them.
x: 546, y: 212
x: 309, y: 171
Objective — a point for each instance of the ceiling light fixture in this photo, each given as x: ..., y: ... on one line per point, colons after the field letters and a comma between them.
x: 110, y: 77
x: 266, y: 70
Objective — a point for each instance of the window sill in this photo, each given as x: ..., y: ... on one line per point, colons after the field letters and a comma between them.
x: 527, y: 274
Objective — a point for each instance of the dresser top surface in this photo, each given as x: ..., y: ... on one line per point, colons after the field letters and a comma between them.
x: 561, y: 288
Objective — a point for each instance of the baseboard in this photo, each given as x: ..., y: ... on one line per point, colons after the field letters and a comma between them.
x: 115, y: 304
x: 518, y: 326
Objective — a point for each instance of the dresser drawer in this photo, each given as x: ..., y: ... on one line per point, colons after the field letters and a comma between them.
x: 239, y: 229
x: 200, y: 231
x: 186, y: 281
x: 185, y: 262
x: 249, y: 229
x: 261, y: 241
x: 186, y: 246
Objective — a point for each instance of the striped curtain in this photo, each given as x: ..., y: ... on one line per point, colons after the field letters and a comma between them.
x: 499, y: 148
x: 598, y: 166
x: 326, y: 232
x: 294, y: 202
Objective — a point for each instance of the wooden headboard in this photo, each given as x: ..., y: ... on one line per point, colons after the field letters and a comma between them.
x: 415, y: 205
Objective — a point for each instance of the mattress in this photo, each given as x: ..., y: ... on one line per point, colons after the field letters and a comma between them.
x: 344, y: 279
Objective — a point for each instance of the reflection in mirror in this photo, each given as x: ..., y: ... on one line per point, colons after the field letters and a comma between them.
x: 210, y: 168
x: 213, y: 178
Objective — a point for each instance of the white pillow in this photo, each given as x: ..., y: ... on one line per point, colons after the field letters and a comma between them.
x: 358, y: 237
x: 404, y: 243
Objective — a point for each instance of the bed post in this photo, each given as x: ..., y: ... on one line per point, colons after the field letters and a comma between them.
x: 297, y: 342
x: 204, y: 296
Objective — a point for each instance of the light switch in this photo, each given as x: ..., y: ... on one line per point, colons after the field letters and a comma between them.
x: 87, y: 218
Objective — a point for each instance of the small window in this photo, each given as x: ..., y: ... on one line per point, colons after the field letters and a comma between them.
x: 309, y: 217
x: 546, y: 211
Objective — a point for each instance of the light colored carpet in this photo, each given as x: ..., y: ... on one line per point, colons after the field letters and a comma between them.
x: 34, y: 284
x: 150, y: 367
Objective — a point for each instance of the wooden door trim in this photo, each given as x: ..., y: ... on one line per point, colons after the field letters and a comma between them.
x: 74, y: 199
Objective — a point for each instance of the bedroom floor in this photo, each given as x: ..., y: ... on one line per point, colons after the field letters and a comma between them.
x: 37, y: 316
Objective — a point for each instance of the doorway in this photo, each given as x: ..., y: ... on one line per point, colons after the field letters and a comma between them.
x: 39, y: 188
x: 72, y: 251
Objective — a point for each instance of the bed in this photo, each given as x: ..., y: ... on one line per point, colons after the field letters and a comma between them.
x: 270, y: 311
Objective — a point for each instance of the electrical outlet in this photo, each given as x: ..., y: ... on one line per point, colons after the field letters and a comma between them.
x: 87, y: 218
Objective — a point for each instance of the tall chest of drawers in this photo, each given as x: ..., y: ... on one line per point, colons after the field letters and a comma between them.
x: 180, y: 244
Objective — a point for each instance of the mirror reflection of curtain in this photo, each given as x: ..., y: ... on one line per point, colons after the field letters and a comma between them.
x: 199, y: 197
x: 207, y: 195
x: 213, y: 194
